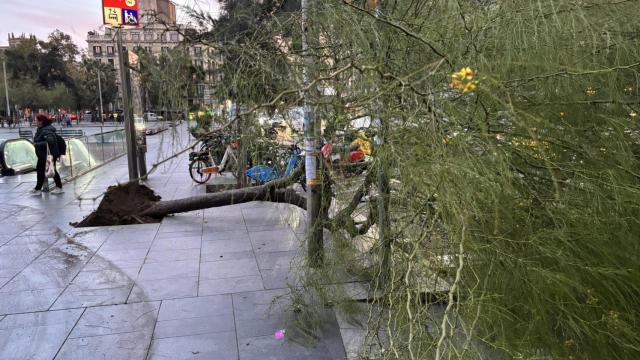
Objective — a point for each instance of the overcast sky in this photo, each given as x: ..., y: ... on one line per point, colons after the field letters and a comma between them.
x: 74, y: 17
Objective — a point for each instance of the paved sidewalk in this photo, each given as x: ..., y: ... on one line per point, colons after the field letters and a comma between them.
x: 199, y: 285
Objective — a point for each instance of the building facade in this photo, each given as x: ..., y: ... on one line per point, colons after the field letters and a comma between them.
x: 157, y: 34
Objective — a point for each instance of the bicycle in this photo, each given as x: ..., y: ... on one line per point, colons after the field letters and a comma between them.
x: 262, y: 174
x: 204, y: 163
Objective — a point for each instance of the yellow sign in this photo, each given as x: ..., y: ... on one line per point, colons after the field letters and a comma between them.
x: 113, y: 16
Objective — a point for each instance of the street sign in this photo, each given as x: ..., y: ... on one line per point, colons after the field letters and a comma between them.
x: 120, y: 12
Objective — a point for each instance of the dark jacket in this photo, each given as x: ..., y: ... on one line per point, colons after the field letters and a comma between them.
x: 46, y: 135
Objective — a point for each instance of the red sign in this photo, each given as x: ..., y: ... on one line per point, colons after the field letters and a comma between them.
x: 120, y: 12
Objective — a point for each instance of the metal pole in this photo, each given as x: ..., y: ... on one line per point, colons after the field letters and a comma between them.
x: 314, y: 180
x: 6, y: 87
x: 100, y: 92
x: 129, y: 126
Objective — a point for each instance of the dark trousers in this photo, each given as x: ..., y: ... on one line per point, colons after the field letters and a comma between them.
x: 40, y: 169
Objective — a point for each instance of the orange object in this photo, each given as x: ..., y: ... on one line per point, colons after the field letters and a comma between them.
x: 209, y: 170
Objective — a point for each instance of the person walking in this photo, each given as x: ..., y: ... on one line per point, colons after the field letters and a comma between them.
x: 44, y: 138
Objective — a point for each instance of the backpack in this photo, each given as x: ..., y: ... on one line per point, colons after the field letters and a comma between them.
x: 62, y: 145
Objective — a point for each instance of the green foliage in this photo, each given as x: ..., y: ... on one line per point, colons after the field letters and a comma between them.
x: 519, y: 197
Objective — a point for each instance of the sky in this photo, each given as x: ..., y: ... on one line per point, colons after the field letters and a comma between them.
x: 74, y: 17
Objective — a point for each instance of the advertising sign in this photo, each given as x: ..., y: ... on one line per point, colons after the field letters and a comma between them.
x: 120, y: 12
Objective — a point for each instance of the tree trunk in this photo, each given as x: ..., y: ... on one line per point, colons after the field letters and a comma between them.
x: 274, y: 191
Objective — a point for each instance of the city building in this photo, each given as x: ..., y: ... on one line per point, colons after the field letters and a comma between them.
x: 158, y: 32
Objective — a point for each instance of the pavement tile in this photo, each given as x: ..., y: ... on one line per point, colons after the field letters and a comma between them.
x: 218, y: 346
x: 100, y: 263
x: 163, y: 289
x: 35, y: 335
x: 225, y: 235
x: 222, y: 246
x: 274, y: 240
x: 72, y: 297
x: 177, y: 243
x: 223, y: 255
x: 220, y: 226
x: 266, y: 348
x: 278, y: 259
x: 195, y: 307
x: 228, y: 269
x: 194, y: 326
x: 179, y: 235
x: 120, y: 244
x: 116, y: 319
x: 124, y: 254
x: 178, y: 226
x: 129, y: 346
x: 28, y: 301
x: 230, y: 285
x: 169, y: 269
x: 105, y: 279
x: 156, y: 255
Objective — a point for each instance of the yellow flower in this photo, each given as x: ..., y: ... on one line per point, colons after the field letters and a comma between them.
x: 628, y: 89
x: 590, y: 91
x: 463, y: 80
x: 469, y: 87
x: 633, y: 114
x: 562, y: 113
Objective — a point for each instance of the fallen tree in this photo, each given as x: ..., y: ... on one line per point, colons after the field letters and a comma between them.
x: 134, y: 203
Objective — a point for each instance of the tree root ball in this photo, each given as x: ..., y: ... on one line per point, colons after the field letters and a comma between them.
x: 123, y: 205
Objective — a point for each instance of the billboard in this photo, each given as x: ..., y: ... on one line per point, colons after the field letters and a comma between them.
x: 120, y: 12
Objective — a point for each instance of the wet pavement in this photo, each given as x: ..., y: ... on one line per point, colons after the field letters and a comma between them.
x: 199, y: 285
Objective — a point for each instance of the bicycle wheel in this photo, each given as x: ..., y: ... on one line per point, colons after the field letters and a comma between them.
x: 195, y: 171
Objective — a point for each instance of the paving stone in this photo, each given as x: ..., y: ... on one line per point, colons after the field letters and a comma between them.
x: 28, y: 301
x: 219, y: 346
x: 266, y: 348
x: 194, y: 326
x: 228, y: 269
x: 36, y: 335
x: 278, y: 259
x: 225, y: 235
x: 130, y: 346
x: 99, y: 263
x: 169, y: 269
x: 230, y: 285
x: 177, y: 243
x: 73, y: 297
x: 172, y: 255
x: 278, y: 278
x: 163, y: 289
x: 105, y: 279
x: 274, y: 240
x: 179, y: 226
x: 222, y: 256
x: 126, y: 244
x: 195, y: 307
x: 116, y: 319
x: 125, y: 254
x: 219, y: 226
x: 179, y: 235
x: 222, y: 246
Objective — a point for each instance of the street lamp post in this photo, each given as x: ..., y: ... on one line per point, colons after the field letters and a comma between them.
x: 100, y: 93
x: 6, y: 87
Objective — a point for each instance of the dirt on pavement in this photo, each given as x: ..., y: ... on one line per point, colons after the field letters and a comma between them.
x: 122, y: 205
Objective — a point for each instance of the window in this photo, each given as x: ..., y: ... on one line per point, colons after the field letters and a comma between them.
x: 110, y: 50
x: 97, y: 50
x: 174, y: 36
x: 163, y: 37
x: 135, y: 36
x: 197, y: 51
x: 165, y: 49
x: 148, y: 49
x: 198, y: 63
x: 148, y: 36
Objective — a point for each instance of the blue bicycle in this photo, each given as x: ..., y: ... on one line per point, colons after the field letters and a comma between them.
x: 262, y: 174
